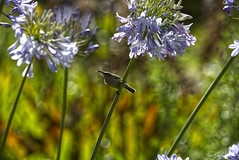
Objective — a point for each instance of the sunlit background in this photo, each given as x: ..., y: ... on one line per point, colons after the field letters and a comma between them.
x: 143, y: 124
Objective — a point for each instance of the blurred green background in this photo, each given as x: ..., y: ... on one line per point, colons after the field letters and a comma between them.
x: 144, y: 123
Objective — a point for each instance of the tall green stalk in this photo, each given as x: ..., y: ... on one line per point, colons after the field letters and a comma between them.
x: 13, y: 112
x: 118, y: 92
x: 192, y: 116
x: 63, y: 113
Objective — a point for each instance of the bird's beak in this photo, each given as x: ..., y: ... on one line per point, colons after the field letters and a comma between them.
x: 100, y: 71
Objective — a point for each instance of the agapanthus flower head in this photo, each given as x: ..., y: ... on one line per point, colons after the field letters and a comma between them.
x: 77, y: 27
x: 229, y: 5
x: 233, y: 153
x: 45, y: 38
x: 173, y: 157
x: 155, y: 27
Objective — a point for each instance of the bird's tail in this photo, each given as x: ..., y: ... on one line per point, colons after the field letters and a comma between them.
x: 131, y: 90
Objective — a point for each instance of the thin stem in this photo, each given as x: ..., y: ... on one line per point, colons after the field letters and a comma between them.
x: 1, y: 6
x: 63, y: 113
x: 192, y: 116
x: 118, y: 92
x: 13, y: 112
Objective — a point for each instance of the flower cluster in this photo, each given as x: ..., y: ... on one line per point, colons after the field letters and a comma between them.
x: 57, y: 41
x: 230, y: 4
x: 173, y: 157
x: 77, y: 28
x: 233, y: 152
x: 154, y: 27
x: 19, y: 8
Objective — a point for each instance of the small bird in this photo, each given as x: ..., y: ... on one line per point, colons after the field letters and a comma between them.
x: 114, y: 81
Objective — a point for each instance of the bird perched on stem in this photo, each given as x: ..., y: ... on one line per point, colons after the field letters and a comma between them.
x: 114, y: 81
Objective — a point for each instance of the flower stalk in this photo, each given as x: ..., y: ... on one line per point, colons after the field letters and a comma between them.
x: 117, y: 95
x: 203, y: 99
x: 63, y: 112
x: 13, y: 112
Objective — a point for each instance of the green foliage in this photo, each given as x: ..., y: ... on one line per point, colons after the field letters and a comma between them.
x: 144, y: 123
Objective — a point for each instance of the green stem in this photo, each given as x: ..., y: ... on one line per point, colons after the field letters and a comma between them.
x: 1, y: 6
x: 111, y: 109
x: 13, y: 112
x: 63, y: 113
x: 192, y: 116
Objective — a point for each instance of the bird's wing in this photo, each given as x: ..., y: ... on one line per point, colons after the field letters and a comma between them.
x: 116, y: 76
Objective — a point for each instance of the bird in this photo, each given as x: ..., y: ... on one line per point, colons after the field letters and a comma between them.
x: 115, y: 81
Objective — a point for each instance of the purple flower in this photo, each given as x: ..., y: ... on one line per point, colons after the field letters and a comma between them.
x: 77, y: 28
x: 228, y: 9
x: 233, y: 152
x: 154, y: 30
x: 18, y: 29
x: 25, y: 48
x: 131, y: 5
x: 234, y: 46
x: 56, y: 41
x: 41, y: 42
x: 230, y: 2
x: 229, y: 6
x: 91, y: 48
x: 5, y: 25
x: 141, y: 22
x: 21, y: 5
x: 173, y: 157
x: 64, y: 52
